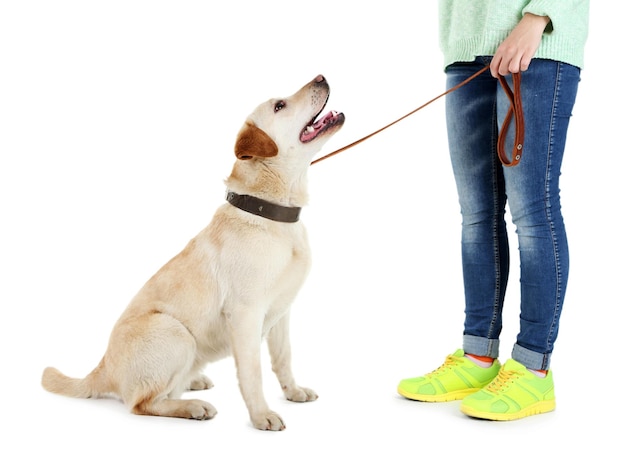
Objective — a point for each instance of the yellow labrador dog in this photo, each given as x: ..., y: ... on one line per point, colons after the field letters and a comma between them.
x: 231, y: 286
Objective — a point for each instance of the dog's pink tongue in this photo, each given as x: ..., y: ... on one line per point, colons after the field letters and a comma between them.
x: 310, y: 132
x: 324, y: 120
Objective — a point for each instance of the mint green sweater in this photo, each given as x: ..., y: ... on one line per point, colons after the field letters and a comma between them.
x: 471, y: 28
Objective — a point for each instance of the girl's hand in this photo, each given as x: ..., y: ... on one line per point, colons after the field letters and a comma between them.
x: 516, y: 51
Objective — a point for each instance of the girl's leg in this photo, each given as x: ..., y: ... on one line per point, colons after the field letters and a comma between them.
x: 548, y: 95
x: 471, y: 117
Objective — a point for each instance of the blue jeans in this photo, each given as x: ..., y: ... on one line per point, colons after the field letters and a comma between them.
x: 473, y: 115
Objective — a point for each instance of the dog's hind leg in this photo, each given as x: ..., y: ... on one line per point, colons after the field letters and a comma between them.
x: 280, y: 352
x: 186, y: 409
x: 155, y: 367
x: 161, y: 396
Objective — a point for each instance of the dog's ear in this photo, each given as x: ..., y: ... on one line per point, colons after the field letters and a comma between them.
x: 252, y: 141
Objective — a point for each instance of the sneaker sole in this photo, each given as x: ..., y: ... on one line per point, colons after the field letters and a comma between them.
x: 450, y: 396
x: 536, y: 408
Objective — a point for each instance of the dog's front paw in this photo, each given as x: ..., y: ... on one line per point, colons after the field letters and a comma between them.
x: 299, y: 394
x: 270, y: 421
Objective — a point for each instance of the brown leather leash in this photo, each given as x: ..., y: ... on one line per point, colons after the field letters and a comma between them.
x: 515, y: 113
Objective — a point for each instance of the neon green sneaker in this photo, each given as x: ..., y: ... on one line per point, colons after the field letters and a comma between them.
x: 514, y: 393
x: 453, y: 380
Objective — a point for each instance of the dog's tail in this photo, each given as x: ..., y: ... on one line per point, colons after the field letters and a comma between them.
x: 93, y: 385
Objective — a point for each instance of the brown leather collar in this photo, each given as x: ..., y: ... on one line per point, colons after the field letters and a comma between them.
x: 263, y: 208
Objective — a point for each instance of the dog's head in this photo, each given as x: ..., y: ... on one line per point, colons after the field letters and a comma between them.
x: 289, y: 125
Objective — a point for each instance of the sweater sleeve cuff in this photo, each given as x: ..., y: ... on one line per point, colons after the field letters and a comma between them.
x: 542, y: 8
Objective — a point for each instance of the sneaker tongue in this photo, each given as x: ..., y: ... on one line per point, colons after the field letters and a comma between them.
x: 513, y: 365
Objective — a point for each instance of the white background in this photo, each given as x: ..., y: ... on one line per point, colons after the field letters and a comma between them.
x: 117, y: 123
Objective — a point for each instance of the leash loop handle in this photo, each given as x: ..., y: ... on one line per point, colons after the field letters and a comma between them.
x: 516, y: 113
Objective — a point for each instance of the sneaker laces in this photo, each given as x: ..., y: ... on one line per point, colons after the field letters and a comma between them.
x: 451, y: 361
x: 504, y: 377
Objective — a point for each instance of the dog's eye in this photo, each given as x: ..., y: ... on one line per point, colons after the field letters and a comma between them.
x: 279, y: 105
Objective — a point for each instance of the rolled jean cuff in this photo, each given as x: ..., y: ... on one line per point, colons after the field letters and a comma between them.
x: 530, y: 359
x: 481, y: 346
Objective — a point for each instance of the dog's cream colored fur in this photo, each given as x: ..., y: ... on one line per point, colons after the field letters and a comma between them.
x: 230, y: 288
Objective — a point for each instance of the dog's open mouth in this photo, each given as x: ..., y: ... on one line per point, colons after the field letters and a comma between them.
x: 316, y: 128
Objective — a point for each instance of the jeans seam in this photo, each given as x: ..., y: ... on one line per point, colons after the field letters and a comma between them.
x: 548, y: 209
x: 497, y: 302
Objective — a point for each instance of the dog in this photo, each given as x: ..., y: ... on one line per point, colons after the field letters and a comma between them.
x: 231, y: 287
